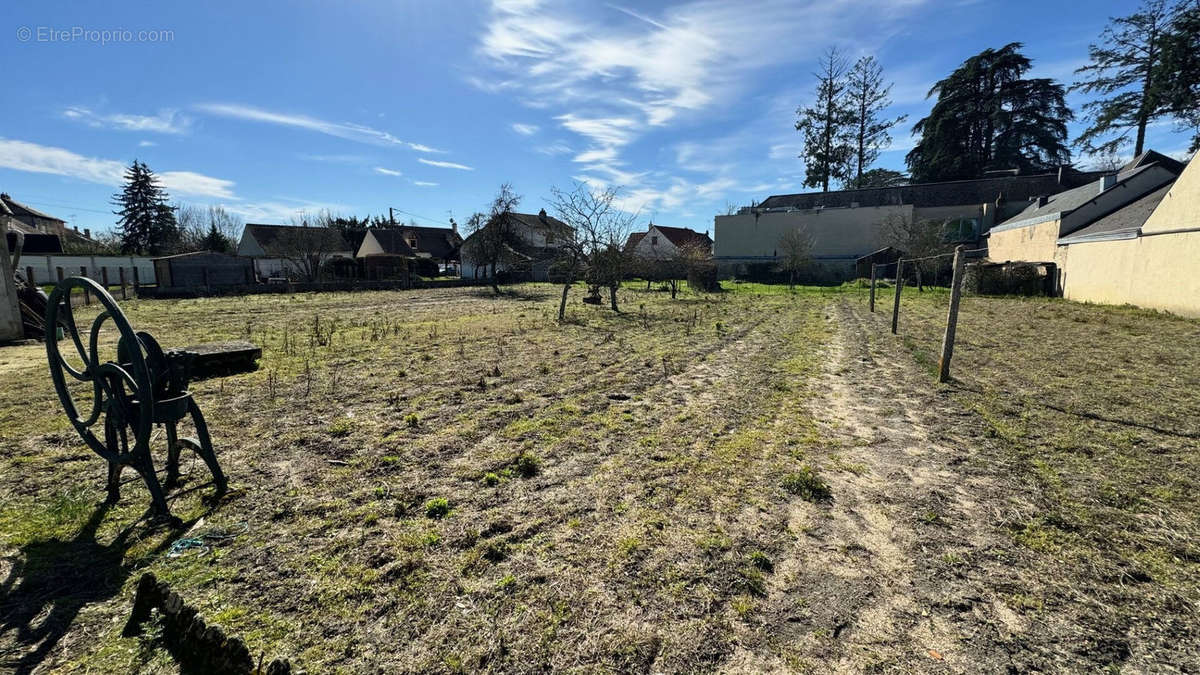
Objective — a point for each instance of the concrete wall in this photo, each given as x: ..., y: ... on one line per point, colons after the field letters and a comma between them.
x: 838, y: 233
x: 1033, y: 243
x: 45, y: 268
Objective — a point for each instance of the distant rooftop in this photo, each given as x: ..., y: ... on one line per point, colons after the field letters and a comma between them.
x: 1007, y: 188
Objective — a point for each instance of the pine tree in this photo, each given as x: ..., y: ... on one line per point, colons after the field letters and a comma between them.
x: 1122, y: 72
x: 988, y: 116
x: 215, y: 240
x: 826, y: 125
x: 147, y: 224
x: 1177, y: 79
x: 869, y: 97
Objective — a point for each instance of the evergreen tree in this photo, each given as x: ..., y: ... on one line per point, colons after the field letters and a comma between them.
x: 988, y: 116
x: 1177, y: 79
x: 215, y: 240
x: 1123, y: 72
x: 869, y: 97
x: 827, y: 124
x: 147, y: 224
x: 877, y: 178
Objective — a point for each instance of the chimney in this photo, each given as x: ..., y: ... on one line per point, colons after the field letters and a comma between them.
x: 542, y: 213
x: 76, y: 228
x: 87, y: 233
x: 453, y: 226
x: 1107, y: 182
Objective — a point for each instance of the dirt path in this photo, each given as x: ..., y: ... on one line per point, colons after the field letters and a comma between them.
x: 885, y: 576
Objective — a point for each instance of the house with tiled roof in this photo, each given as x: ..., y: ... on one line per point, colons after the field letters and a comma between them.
x: 848, y: 224
x: 1033, y: 234
x: 273, y: 247
x: 533, y: 244
x: 660, y: 242
x: 440, y: 245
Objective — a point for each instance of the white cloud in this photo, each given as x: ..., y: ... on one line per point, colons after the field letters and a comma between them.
x: 424, y: 183
x: 346, y: 130
x: 387, y: 172
x: 281, y: 211
x: 613, y: 75
x: 34, y: 158
x: 165, y: 122
x: 554, y: 149
x: 146, y: 144
x: 525, y: 129
x: 191, y: 183
x: 445, y: 165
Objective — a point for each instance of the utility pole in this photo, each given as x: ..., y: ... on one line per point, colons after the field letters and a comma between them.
x: 391, y: 217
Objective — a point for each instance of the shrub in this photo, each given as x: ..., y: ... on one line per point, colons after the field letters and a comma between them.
x: 490, y: 479
x: 526, y: 465
x: 437, y: 507
x: 761, y: 561
x: 412, y: 420
x: 807, y: 485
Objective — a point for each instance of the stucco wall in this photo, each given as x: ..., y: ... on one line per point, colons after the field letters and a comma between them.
x: 1034, y: 243
x: 835, y: 232
x: 1158, y: 272
x: 1180, y: 208
x: 45, y: 268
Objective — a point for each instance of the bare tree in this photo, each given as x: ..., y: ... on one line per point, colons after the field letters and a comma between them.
x: 591, y: 244
x: 918, y: 238
x: 494, y: 239
x: 206, y: 228
x: 308, y: 244
x: 795, y: 252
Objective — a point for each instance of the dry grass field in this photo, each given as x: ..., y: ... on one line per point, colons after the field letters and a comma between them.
x: 445, y: 480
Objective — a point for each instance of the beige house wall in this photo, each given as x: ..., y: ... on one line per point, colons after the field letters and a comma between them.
x: 849, y: 232
x: 1157, y: 272
x: 1160, y: 269
x: 1033, y: 243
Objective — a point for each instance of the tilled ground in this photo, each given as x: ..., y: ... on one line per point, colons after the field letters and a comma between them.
x: 621, y: 494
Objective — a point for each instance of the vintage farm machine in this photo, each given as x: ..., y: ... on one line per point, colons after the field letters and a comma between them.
x: 139, y: 387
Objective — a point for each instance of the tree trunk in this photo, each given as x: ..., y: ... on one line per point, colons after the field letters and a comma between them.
x: 612, y: 297
x: 1143, y: 116
x: 495, y: 283
x: 674, y: 287
x: 562, y: 305
x: 791, y: 280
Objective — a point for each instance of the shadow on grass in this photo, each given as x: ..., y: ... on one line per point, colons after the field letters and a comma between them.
x: 52, y: 580
x: 1096, y: 417
x: 510, y: 293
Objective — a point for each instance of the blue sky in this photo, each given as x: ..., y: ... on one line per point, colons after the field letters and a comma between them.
x: 274, y: 108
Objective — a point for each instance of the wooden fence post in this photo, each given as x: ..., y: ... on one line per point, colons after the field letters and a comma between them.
x: 87, y: 295
x: 896, y: 302
x: 952, y: 314
x: 124, y: 288
x: 872, y: 287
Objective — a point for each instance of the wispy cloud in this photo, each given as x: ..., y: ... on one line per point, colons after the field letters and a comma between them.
x: 387, y: 172
x: 333, y: 159
x: 424, y: 183
x: 281, y: 210
x: 615, y: 74
x: 525, y: 129
x: 165, y: 122
x: 445, y: 165
x: 146, y: 144
x: 352, y: 132
x: 35, y: 158
x: 553, y: 149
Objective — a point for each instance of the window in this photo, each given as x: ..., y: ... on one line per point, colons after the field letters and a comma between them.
x: 654, y: 240
x: 961, y: 229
